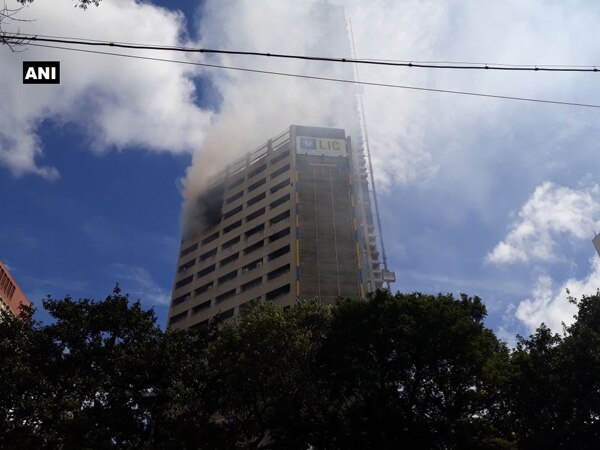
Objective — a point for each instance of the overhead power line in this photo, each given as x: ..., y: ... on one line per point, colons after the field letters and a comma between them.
x: 378, y: 62
x: 312, y: 77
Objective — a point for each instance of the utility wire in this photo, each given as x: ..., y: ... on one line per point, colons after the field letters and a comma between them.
x: 363, y: 59
x: 472, y: 63
x: 410, y: 64
x: 312, y: 77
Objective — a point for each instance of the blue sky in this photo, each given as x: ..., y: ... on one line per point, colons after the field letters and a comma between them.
x: 489, y: 197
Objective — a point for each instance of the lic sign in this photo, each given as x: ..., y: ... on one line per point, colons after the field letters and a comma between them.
x: 320, y: 146
x: 41, y: 72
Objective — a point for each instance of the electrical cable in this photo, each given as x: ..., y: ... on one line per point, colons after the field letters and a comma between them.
x: 410, y: 64
x: 363, y: 59
x: 340, y: 80
x: 312, y: 77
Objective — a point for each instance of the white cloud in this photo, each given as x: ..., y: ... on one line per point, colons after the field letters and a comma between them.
x: 551, y: 212
x: 549, y: 304
x: 138, y: 282
x: 117, y: 102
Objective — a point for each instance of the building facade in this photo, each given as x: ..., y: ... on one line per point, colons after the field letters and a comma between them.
x: 286, y: 222
x: 11, y: 296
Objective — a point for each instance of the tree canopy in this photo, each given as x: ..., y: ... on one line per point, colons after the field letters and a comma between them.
x: 398, y: 371
x: 83, y: 4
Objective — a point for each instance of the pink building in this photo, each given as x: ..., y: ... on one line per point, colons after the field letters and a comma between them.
x: 11, y: 295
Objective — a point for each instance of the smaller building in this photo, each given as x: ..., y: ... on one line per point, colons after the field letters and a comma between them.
x: 11, y: 295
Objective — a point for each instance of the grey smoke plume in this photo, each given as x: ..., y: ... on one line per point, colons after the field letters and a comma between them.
x: 412, y: 134
x: 256, y: 106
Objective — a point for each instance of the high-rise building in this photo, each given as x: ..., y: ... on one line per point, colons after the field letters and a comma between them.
x: 281, y: 224
x: 294, y: 218
x: 11, y: 296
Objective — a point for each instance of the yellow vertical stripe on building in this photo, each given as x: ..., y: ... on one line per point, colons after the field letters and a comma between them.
x: 297, y: 221
x: 358, y: 256
x: 362, y: 291
x: 297, y: 288
x: 297, y: 252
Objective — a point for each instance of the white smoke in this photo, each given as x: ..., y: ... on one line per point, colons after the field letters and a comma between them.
x: 258, y: 106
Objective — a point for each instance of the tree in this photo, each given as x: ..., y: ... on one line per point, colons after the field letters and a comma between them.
x: 10, y: 16
x: 411, y: 370
x: 83, y: 381
x: 24, y: 362
x: 261, y: 370
x: 83, y: 4
x: 102, y: 375
x: 397, y: 371
x: 555, y: 390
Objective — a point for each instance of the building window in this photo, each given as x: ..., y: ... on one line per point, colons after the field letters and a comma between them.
x: 280, y: 252
x: 254, y: 247
x: 281, y: 157
x: 251, y: 284
x: 227, y: 277
x: 276, y: 236
x: 230, y: 243
x: 181, y: 299
x: 227, y: 314
x: 189, y: 250
x: 256, y: 185
x: 201, y: 307
x: 209, y: 254
x: 229, y: 259
x: 278, y: 272
x: 206, y: 271
x: 280, y: 186
x: 255, y: 214
x: 279, y: 171
x: 257, y: 229
x: 256, y: 171
x: 279, y: 217
x: 235, y: 183
x: 202, y: 289
x: 256, y: 199
x: 226, y: 295
x: 233, y: 226
x: 178, y: 318
x: 184, y: 282
x: 279, y: 292
x: 232, y: 212
x: 186, y: 266
x: 234, y: 197
x: 253, y: 265
x: 210, y: 238
x: 279, y: 201
x: 200, y: 325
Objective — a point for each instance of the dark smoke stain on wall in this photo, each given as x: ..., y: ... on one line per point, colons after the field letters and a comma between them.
x: 208, y: 211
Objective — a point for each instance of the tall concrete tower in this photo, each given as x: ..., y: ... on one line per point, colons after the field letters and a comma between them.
x: 281, y: 224
x: 292, y: 219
